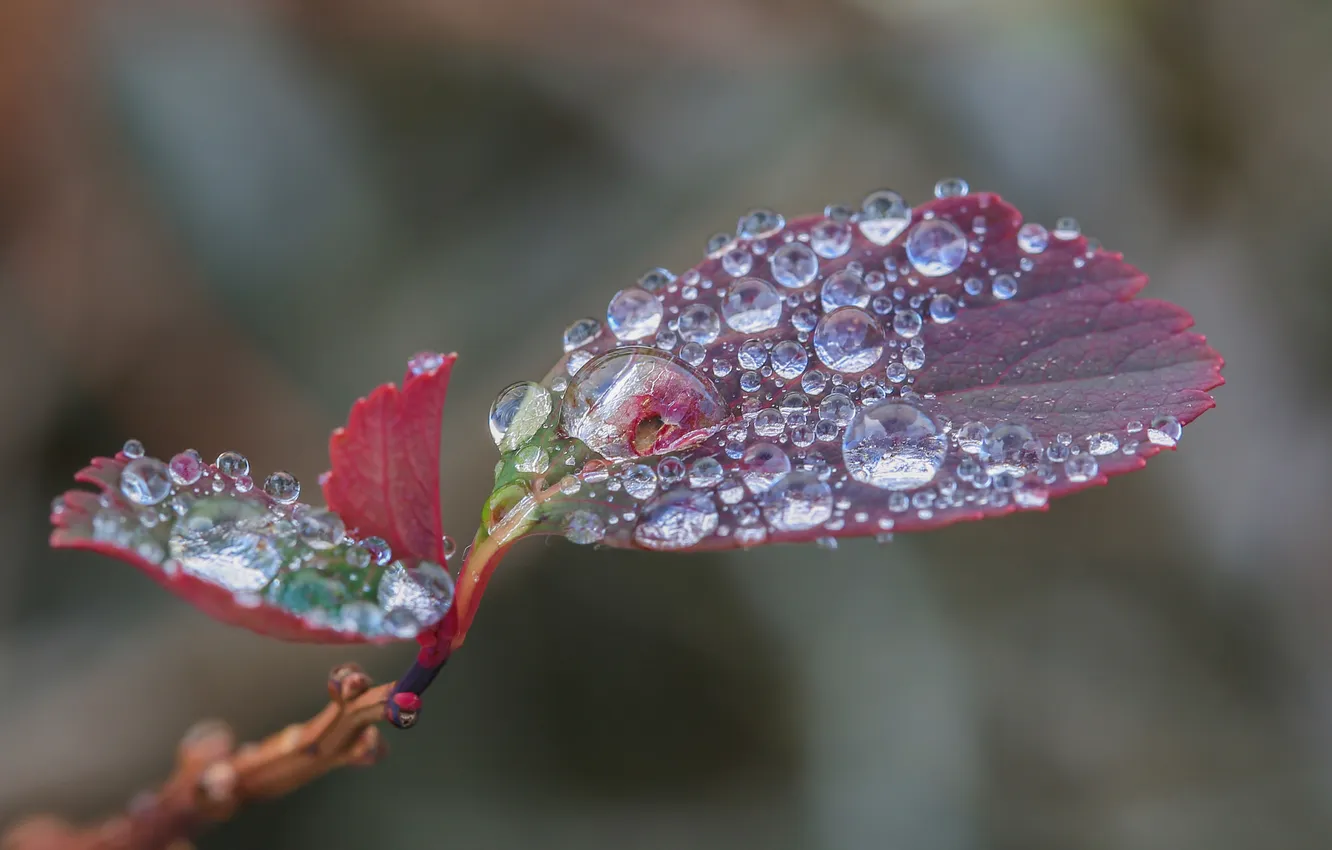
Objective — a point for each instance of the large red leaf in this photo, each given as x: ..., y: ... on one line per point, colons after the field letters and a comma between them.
x: 953, y: 315
x: 385, y: 463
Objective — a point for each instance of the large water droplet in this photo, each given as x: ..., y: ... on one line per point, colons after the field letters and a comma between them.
x: 186, y: 467
x: 584, y: 528
x: 751, y: 305
x: 894, y: 447
x: 517, y: 413
x: 633, y: 314
x: 763, y: 465
x: 640, y: 481
x: 943, y: 308
x: 798, y: 502
x: 228, y: 542
x: 677, y: 519
x: 233, y: 464
x: 844, y: 289
x: 424, y: 591
x: 145, y: 481
x: 637, y: 402
x: 794, y: 265
x: 1010, y: 447
x: 699, y: 323
x: 848, y: 340
x: 883, y: 216
x: 936, y: 247
x: 705, y: 473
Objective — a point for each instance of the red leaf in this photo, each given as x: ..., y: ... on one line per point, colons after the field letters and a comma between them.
x: 256, y: 557
x: 1036, y: 332
x: 385, y: 463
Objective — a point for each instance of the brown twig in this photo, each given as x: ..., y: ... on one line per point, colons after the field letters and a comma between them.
x: 213, y: 778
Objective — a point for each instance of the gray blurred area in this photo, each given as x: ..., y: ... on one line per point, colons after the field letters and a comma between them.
x: 223, y: 220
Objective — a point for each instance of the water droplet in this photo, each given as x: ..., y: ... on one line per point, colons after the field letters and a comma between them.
x: 798, y: 502
x: 1081, y: 467
x: 306, y: 591
x: 699, y: 323
x: 1005, y: 286
x: 577, y: 360
x: 896, y: 372
x: 769, y: 422
x: 913, y: 358
x: 830, y: 239
x: 655, y: 280
x: 894, y: 447
x: 813, y: 382
x: 425, y: 592
x: 1102, y: 444
x: 671, y: 470
x: 1010, y: 447
x: 584, y: 528
x: 640, y: 481
x: 763, y: 465
x: 282, y: 487
x: 759, y: 224
x: 633, y: 314
x: 837, y: 408
x: 233, y: 464
x: 907, y: 323
x: 1165, y: 431
x: 943, y: 308
x: 1057, y: 452
x: 145, y: 481
x: 227, y: 542
x: 936, y: 247
x: 1033, y: 238
x: 721, y: 368
x: 883, y: 216
x: 848, y: 340
x: 677, y: 519
x: 804, y: 319
x: 737, y: 262
x: 1067, y: 228
x: 580, y: 333
x: 789, y: 359
x: 186, y: 467
x: 970, y: 436
x: 705, y: 473
x: 844, y: 289
x: 380, y: 552
x: 751, y: 306
x: 794, y: 265
x: 718, y: 244
x: 132, y: 449
x: 752, y: 355
x: 638, y: 402
x: 951, y: 187
x: 517, y: 413
x: 425, y: 363
x: 693, y: 353
x: 320, y: 528
x: 973, y: 286
x: 532, y: 459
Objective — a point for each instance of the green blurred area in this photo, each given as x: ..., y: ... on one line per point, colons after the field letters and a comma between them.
x: 222, y: 222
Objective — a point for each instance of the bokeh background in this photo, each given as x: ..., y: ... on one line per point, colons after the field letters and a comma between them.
x: 223, y: 220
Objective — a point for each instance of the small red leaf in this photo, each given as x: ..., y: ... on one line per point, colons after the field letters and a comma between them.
x: 384, y: 479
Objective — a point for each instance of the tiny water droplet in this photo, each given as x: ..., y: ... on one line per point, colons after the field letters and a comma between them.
x: 751, y: 305
x: 794, y: 265
x: 789, y: 359
x: 584, y: 528
x: 760, y: 224
x: 233, y: 464
x: 580, y: 333
x: 1005, y: 286
x: 633, y: 313
x: 844, y: 289
x: 186, y: 467
x: 699, y: 323
x: 425, y: 362
x: 848, y: 340
x: 1067, y: 228
x: 830, y: 239
x: 1165, y: 431
x: 132, y: 449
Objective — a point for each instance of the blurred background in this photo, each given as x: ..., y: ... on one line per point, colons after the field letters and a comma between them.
x: 223, y: 220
